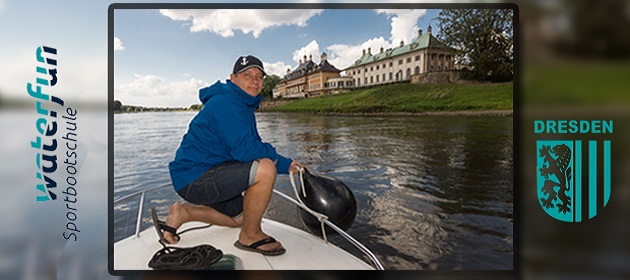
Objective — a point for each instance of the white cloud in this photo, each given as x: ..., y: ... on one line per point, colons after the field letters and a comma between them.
x: 342, y: 56
x: 403, y: 27
x: 154, y: 91
x: 118, y: 45
x: 224, y: 22
x: 280, y: 68
x: 339, y: 55
x: 19, y: 66
x: 82, y: 77
x: 277, y: 68
x: 311, y: 49
x: 403, y: 23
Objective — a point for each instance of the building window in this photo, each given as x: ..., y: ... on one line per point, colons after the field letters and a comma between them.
x: 391, y: 64
x: 391, y: 76
x: 383, y: 77
x: 377, y: 67
x: 400, y: 62
x: 384, y: 64
x: 408, y: 59
x: 417, y: 57
x: 371, y: 79
x: 376, y: 78
x: 408, y: 74
x: 417, y: 70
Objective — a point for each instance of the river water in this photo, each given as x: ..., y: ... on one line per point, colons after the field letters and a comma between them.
x: 433, y: 192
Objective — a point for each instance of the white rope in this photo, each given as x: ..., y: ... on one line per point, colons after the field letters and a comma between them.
x: 302, y: 181
x: 301, y: 171
x: 320, y: 217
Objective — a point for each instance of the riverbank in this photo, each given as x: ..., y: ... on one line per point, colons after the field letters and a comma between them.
x: 433, y: 99
x: 493, y: 113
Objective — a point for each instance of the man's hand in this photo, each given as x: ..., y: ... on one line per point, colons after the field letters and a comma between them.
x: 294, y: 167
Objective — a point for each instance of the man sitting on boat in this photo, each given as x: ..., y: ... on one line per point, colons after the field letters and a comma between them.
x: 222, y: 167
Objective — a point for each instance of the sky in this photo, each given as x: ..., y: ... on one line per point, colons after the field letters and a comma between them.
x: 162, y: 57
x: 80, y: 38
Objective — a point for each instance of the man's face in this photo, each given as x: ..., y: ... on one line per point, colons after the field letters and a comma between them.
x: 250, y: 80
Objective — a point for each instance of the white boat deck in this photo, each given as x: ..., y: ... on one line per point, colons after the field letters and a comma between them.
x: 303, y: 250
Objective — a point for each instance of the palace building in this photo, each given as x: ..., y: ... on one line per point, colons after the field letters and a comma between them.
x: 424, y: 54
x: 308, y: 79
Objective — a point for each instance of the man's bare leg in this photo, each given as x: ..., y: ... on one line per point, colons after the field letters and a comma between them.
x: 179, y: 214
x: 255, y: 202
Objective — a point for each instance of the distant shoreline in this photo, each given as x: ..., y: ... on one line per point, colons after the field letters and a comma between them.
x: 476, y: 113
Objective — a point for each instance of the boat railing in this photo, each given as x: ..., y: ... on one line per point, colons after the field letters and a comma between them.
x: 142, y: 195
x: 341, y: 232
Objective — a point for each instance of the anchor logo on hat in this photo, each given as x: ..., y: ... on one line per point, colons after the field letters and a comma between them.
x: 245, y: 61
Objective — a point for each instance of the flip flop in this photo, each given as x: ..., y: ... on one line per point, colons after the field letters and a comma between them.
x: 254, y: 247
x: 161, y: 227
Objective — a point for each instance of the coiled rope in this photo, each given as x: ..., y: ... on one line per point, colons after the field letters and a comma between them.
x: 200, y: 257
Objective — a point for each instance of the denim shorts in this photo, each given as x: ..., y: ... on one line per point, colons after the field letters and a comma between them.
x: 221, y: 187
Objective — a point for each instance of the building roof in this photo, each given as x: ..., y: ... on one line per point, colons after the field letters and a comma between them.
x: 421, y: 42
x: 327, y: 67
x: 301, y: 70
x: 308, y: 67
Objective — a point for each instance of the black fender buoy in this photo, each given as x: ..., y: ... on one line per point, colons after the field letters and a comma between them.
x: 328, y: 196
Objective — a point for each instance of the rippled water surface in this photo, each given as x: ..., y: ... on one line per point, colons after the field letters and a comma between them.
x: 433, y: 192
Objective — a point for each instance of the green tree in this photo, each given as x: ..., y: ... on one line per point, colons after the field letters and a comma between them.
x: 484, y: 38
x: 269, y: 84
x: 595, y: 29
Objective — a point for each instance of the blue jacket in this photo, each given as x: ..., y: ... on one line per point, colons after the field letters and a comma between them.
x: 224, y: 130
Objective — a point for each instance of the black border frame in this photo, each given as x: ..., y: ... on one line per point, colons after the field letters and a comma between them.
x: 515, y: 273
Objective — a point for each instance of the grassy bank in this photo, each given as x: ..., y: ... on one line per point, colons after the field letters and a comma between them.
x: 576, y: 83
x: 412, y: 98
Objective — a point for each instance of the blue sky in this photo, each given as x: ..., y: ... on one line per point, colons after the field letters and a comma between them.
x: 163, y: 57
x: 162, y: 61
x: 77, y: 29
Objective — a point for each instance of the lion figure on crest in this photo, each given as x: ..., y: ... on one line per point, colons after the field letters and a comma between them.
x: 558, y: 166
